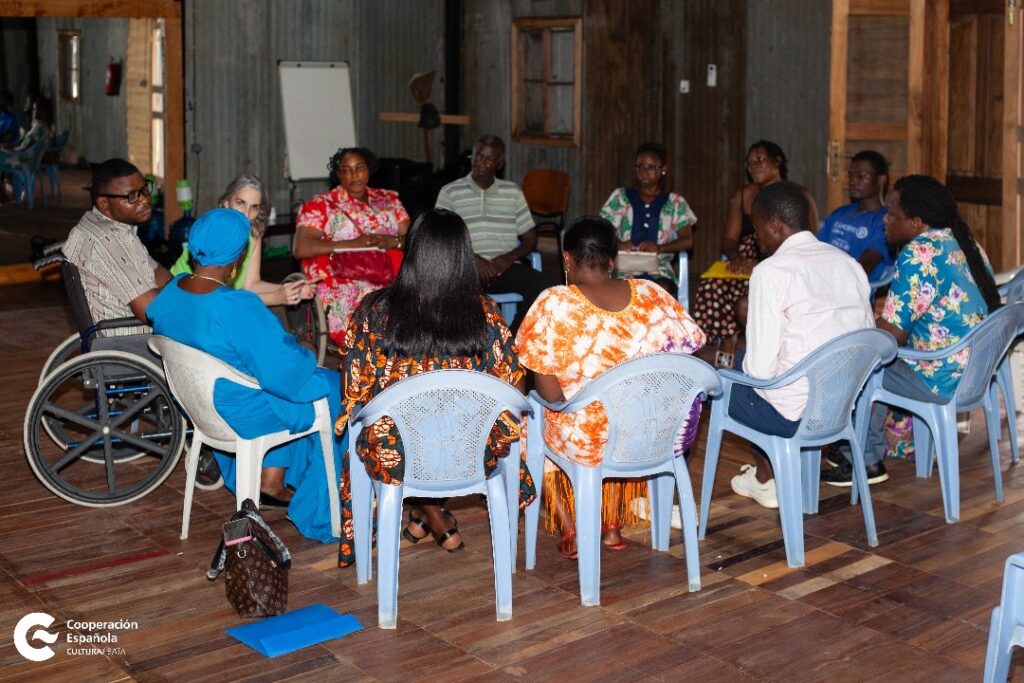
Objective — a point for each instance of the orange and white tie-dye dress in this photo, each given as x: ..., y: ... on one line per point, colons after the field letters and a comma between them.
x: 568, y: 337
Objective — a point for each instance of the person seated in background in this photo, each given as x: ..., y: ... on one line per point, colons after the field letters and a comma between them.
x: 246, y: 194
x: 202, y: 311
x: 572, y: 335
x: 433, y: 316
x: 943, y: 287
x: 500, y: 225
x: 118, y: 275
x: 10, y: 127
x: 351, y: 215
x: 859, y: 227
x: 720, y: 301
x: 804, y: 294
x: 19, y: 154
x: 648, y: 218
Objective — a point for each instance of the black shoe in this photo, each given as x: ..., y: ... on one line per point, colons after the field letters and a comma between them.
x: 208, y: 475
x: 843, y: 474
x: 833, y: 455
x: 269, y: 501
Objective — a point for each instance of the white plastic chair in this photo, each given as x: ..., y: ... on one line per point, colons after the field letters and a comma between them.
x: 444, y: 418
x: 192, y: 375
x: 646, y: 400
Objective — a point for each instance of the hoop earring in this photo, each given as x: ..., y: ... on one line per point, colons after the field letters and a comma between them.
x: 234, y: 272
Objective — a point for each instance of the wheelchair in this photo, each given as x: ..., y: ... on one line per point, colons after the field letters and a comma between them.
x: 102, y: 428
x: 307, y: 321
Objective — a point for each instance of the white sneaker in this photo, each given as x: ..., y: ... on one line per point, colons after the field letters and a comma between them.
x: 746, y: 484
x: 639, y: 508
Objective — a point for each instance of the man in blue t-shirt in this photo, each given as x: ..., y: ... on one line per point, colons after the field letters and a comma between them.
x: 10, y: 127
x: 859, y: 227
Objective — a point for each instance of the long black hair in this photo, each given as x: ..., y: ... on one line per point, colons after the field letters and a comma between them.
x: 433, y: 307
x: 926, y: 198
x: 591, y: 241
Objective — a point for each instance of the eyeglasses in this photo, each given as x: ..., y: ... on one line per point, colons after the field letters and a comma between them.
x: 648, y: 168
x: 132, y: 197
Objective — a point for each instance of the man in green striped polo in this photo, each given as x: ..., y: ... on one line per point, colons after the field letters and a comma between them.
x: 500, y: 225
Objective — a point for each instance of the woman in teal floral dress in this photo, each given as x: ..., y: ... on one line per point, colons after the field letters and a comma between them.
x: 943, y: 287
x: 648, y: 218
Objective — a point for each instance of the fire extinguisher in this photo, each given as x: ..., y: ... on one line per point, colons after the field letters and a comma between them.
x: 112, y: 84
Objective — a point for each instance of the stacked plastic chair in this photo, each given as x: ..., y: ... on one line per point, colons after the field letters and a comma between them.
x: 1006, y: 630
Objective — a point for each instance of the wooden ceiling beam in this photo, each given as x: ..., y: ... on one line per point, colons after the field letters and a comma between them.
x: 135, y: 9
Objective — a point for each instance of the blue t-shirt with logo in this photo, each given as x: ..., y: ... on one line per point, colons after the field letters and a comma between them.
x: 855, y: 231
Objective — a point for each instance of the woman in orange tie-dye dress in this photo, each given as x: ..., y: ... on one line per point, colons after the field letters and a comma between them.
x: 573, y: 334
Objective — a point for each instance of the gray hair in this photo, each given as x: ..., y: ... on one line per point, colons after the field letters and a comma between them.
x: 259, y: 225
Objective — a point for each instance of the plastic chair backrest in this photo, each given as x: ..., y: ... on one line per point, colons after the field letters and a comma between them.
x: 836, y: 372
x: 76, y: 298
x: 546, y: 191
x: 1015, y: 288
x: 192, y: 375
x: 38, y: 150
x: 884, y: 279
x: 646, y: 400
x: 60, y: 141
x: 989, y: 341
x: 444, y: 418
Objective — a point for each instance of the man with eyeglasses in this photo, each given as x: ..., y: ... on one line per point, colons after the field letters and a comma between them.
x: 119, y: 276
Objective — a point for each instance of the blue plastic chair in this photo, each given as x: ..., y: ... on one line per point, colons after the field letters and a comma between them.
x: 988, y: 343
x: 508, y: 302
x: 23, y: 180
x: 646, y: 400
x: 1012, y: 292
x: 444, y: 418
x: 52, y: 168
x: 836, y: 372
x: 1006, y: 630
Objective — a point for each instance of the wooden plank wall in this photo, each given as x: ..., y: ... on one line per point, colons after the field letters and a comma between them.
x: 705, y: 129
x: 787, y: 85
x: 138, y: 93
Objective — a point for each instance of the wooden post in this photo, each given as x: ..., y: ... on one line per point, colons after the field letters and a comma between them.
x: 1013, y: 140
x: 174, y: 118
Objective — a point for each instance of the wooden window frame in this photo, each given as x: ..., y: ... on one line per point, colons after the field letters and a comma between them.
x: 546, y: 24
x: 64, y: 71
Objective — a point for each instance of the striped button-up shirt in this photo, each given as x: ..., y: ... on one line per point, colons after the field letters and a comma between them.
x: 114, y: 266
x: 496, y: 217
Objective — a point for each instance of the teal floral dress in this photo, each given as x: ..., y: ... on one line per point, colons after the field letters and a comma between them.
x: 934, y: 299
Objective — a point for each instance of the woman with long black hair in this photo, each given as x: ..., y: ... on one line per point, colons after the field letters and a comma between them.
x: 943, y: 287
x: 433, y: 316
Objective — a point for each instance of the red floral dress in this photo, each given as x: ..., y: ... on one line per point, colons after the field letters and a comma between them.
x: 339, y: 216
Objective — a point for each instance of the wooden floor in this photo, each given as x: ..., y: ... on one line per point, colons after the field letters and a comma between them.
x: 915, y: 608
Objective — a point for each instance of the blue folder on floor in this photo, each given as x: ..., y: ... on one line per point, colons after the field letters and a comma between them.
x: 295, y: 630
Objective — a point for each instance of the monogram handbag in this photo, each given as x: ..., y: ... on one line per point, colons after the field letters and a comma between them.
x: 255, y: 563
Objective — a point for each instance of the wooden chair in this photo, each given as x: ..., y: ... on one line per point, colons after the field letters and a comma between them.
x: 547, y: 194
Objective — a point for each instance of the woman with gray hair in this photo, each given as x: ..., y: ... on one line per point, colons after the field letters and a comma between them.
x: 246, y: 195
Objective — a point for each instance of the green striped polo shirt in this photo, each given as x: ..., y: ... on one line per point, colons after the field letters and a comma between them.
x: 496, y: 217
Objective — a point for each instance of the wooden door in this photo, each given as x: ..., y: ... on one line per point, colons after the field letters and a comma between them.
x: 877, y: 96
x: 1013, y: 139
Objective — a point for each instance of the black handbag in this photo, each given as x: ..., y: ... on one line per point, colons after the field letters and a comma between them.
x: 256, y: 569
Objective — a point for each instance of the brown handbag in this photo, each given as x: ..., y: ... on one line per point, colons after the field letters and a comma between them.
x: 256, y: 580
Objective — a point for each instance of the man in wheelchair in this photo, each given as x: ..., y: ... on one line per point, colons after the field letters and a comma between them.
x: 119, y: 276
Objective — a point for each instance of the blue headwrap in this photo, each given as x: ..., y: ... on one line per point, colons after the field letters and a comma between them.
x: 219, y: 237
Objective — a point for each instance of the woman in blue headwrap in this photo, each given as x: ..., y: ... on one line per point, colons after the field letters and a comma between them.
x: 202, y: 311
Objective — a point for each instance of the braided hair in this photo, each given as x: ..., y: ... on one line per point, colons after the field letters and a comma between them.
x: 926, y: 198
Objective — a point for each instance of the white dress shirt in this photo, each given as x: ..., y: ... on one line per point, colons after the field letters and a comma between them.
x: 802, y: 296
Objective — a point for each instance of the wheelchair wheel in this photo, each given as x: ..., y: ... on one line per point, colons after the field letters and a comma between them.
x: 122, y: 433
x: 65, y: 350
x: 306, y: 320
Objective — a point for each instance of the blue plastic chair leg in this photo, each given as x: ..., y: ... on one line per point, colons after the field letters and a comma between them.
x: 786, y: 465
x: 501, y: 546
x: 923, y: 453
x: 535, y: 460
x: 389, y: 522
x: 509, y: 470
x: 1004, y: 378
x: 810, y: 476
x: 997, y: 652
x: 587, y: 493
x: 948, y: 457
x: 714, y: 445
x: 687, y: 507
x: 362, y: 515
x: 861, y: 480
x: 1006, y: 628
x: 993, y: 424
x: 660, y: 491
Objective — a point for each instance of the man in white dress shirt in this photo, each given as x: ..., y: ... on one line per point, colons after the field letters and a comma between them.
x: 805, y: 294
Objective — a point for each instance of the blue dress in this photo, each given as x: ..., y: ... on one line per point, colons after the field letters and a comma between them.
x: 238, y: 329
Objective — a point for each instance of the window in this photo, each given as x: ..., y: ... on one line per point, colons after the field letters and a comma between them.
x: 156, y: 80
x: 69, y: 61
x: 546, y: 74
